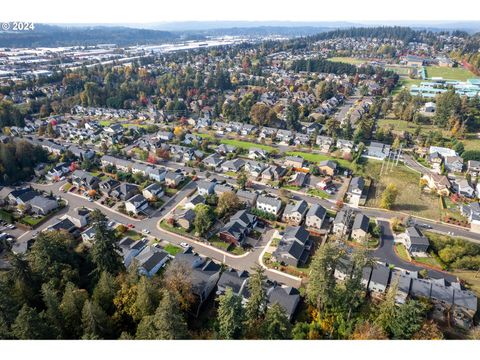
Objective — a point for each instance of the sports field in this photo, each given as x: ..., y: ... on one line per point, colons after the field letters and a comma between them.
x: 457, y: 73
x: 348, y: 60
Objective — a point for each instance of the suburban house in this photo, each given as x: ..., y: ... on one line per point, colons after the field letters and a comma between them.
x: 473, y: 168
x: 286, y: 296
x: 234, y: 165
x: 441, y: 297
x: 294, y: 161
x: 298, y: 179
x: 454, y: 163
x: 153, y: 191
x: 464, y: 308
x: 150, y: 260
x: 415, y: 241
x: 204, y: 275
x: 294, y: 246
x: 346, y: 146
x: 213, y: 161
x: 403, y: 282
x: 437, y: 183
x: 377, y: 150
x: 436, y: 161
x: 342, y: 222
x: 206, y: 187
x: 421, y: 289
x: 472, y: 212
x: 463, y: 187
x: 379, y: 279
x: 324, y: 142
x: 84, y: 180
x: 269, y: 204
x: 223, y: 188
x: 79, y: 216
x: 360, y: 227
x: 193, y: 201
x: 315, y: 216
x: 257, y: 154
x: 355, y: 190
x: 173, y: 179
x: 88, y: 235
x: 108, y: 185
x: 136, y: 204
x: 295, y: 212
x: 247, y: 197
x: 273, y: 172
x: 185, y: 218
x: 224, y: 149
x: 328, y: 167
x: 130, y: 248
x: 125, y: 191
x: 238, y: 228
x: 237, y: 280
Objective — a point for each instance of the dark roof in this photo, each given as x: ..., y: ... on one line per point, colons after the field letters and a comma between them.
x: 466, y: 299
x: 421, y: 288
x: 442, y: 293
x: 416, y: 236
x: 286, y: 297
x: 64, y: 224
x: 380, y: 274
x: 361, y: 222
x: 317, y: 210
x: 234, y: 279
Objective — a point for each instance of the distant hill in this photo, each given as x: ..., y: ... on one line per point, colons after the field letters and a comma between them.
x: 49, y: 35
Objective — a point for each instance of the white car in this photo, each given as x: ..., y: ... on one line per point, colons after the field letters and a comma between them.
x: 145, y: 231
x: 184, y: 245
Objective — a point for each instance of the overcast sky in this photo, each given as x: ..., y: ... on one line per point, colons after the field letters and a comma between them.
x: 147, y: 11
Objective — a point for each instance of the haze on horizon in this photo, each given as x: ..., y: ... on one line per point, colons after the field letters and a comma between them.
x: 151, y: 11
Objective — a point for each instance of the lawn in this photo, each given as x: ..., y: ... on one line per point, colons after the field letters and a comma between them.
x: 172, y: 249
x: 402, y: 252
x: 410, y: 198
x: 402, y: 125
x: 32, y: 221
x: 176, y: 229
x: 448, y: 73
x: 316, y: 158
x: 348, y: 60
x: 239, y: 143
x: 400, y: 70
x: 405, y: 82
x: 429, y: 261
x: 319, y: 193
x: 471, y: 142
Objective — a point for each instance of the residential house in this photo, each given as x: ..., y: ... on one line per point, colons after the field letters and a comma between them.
x: 437, y: 183
x: 298, y: 179
x: 315, y: 217
x: 454, y: 164
x: 415, y: 241
x: 136, y: 204
x: 377, y: 150
x: 130, y: 248
x: 441, y: 297
x: 224, y: 149
x: 79, y: 216
x: 295, y: 212
x: 124, y: 191
x: 237, y: 280
x: 254, y: 168
x: 204, y: 276
x: 84, y: 180
x: 273, y: 173
x: 247, y: 197
x: 324, y: 142
x: 286, y: 296
x: 355, y: 190
x: 206, y: 187
x: 88, y: 235
x: 234, y: 165
x: 108, y: 185
x: 403, y: 283
x: 342, y: 222
x: 463, y: 187
x: 379, y: 279
x: 328, y: 167
x: 257, y: 154
x: 269, y: 204
x: 346, y: 146
x: 173, y: 179
x: 436, y: 161
x: 222, y: 189
x: 185, y: 219
x: 294, y: 247
x: 213, y: 161
x: 465, y: 307
x: 238, y: 228
x: 473, y: 168
x: 153, y: 192
x: 284, y: 136
x: 295, y: 162
x: 150, y: 260
x: 360, y: 227
x: 193, y: 201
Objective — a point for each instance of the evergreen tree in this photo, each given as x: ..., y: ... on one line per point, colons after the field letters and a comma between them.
x: 95, y: 322
x: 230, y: 316
x: 52, y: 313
x: 168, y: 322
x: 257, y: 303
x: 71, y: 307
x: 276, y: 325
x: 105, y: 291
x: 29, y: 325
x: 104, y: 251
x: 147, y: 299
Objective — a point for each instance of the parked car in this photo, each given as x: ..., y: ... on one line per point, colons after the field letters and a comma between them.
x: 131, y: 226
x: 184, y: 245
x: 145, y: 231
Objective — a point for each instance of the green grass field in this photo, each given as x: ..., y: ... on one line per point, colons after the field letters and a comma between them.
x: 400, y: 70
x: 348, y: 60
x: 316, y: 158
x: 410, y: 198
x: 448, y: 73
x: 471, y: 142
x: 405, y: 82
x: 402, y: 125
x: 239, y: 143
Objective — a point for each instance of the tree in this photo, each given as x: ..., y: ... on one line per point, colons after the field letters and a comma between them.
x: 257, y: 303
x: 389, y: 196
x: 71, y: 307
x: 230, y: 316
x: 29, y: 325
x: 228, y: 203
x: 408, y: 320
x: 178, y: 281
x: 105, y: 291
x: 147, y: 298
x: 203, y: 219
x: 321, y: 285
x: 276, y: 325
x: 52, y: 313
x: 95, y: 322
x: 104, y: 253
x: 167, y: 323
x: 242, y: 179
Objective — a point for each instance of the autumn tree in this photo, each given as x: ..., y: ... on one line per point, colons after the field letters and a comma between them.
x: 178, y: 281
x: 203, y: 219
x: 228, y: 203
x: 389, y: 196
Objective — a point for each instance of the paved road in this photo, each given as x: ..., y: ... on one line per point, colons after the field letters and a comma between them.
x: 386, y: 253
